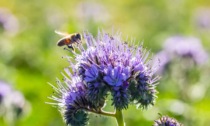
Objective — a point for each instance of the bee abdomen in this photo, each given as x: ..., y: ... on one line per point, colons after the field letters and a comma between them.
x: 61, y: 42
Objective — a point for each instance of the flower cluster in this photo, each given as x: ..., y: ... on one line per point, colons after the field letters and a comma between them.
x: 12, y: 103
x: 181, y: 47
x: 8, y: 22
x: 166, y: 121
x: 105, y: 65
x: 4, y: 91
x: 202, y: 18
x: 73, y: 102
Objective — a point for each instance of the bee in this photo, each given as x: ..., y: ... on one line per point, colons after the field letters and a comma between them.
x: 68, y: 39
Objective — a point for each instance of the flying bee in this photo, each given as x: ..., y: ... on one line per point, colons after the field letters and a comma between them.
x: 68, y: 39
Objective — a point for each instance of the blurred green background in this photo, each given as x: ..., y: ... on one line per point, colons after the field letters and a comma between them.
x: 29, y: 57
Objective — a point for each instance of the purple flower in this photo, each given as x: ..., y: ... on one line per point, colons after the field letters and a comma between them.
x: 116, y: 76
x: 73, y: 105
x: 106, y: 65
x: 95, y: 93
x: 5, y: 90
x: 202, y: 18
x: 12, y: 103
x: 72, y: 102
x: 166, y: 121
x: 91, y: 73
x: 117, y: 63
x: 8, y: 22
x: 179, y: 47
x: 17, y: 102
x: 121, y: 97
x: 137, y: 65
x: 186, y: 47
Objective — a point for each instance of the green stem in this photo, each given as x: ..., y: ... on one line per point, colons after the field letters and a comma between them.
x: 102, y: 112
x: 119, y: 118
x: 117, y: 115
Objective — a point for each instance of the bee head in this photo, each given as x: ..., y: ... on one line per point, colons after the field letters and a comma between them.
x: 78, y: 36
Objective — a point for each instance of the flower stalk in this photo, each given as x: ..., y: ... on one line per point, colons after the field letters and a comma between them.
x: 119, y: 118
x: 118, y: 115
x: 104, y: 113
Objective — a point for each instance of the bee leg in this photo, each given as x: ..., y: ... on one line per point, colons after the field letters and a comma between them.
x: 67, y: 49
x: 70, y: 47
x: 78, y: 42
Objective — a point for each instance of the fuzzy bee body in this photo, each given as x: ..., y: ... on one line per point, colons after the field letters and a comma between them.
x: 68, y: 39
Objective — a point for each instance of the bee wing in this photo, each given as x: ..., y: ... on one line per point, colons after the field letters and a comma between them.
x: 61, y: 33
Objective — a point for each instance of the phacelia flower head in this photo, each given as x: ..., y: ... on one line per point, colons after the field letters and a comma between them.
x: 17, y: 104
x: 166, y: 121
x: 184, y: 48
x: 113, y: 65
x: 13, y: 105
x: 8, y: 22
x: 5, y: 90
x: 202, y: 18
x: 106, y: 65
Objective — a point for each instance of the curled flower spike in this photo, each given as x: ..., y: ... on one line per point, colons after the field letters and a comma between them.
x: 166, y: 121
x: 72, y: 102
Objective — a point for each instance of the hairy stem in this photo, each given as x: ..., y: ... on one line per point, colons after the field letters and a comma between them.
x: 102, y: 112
